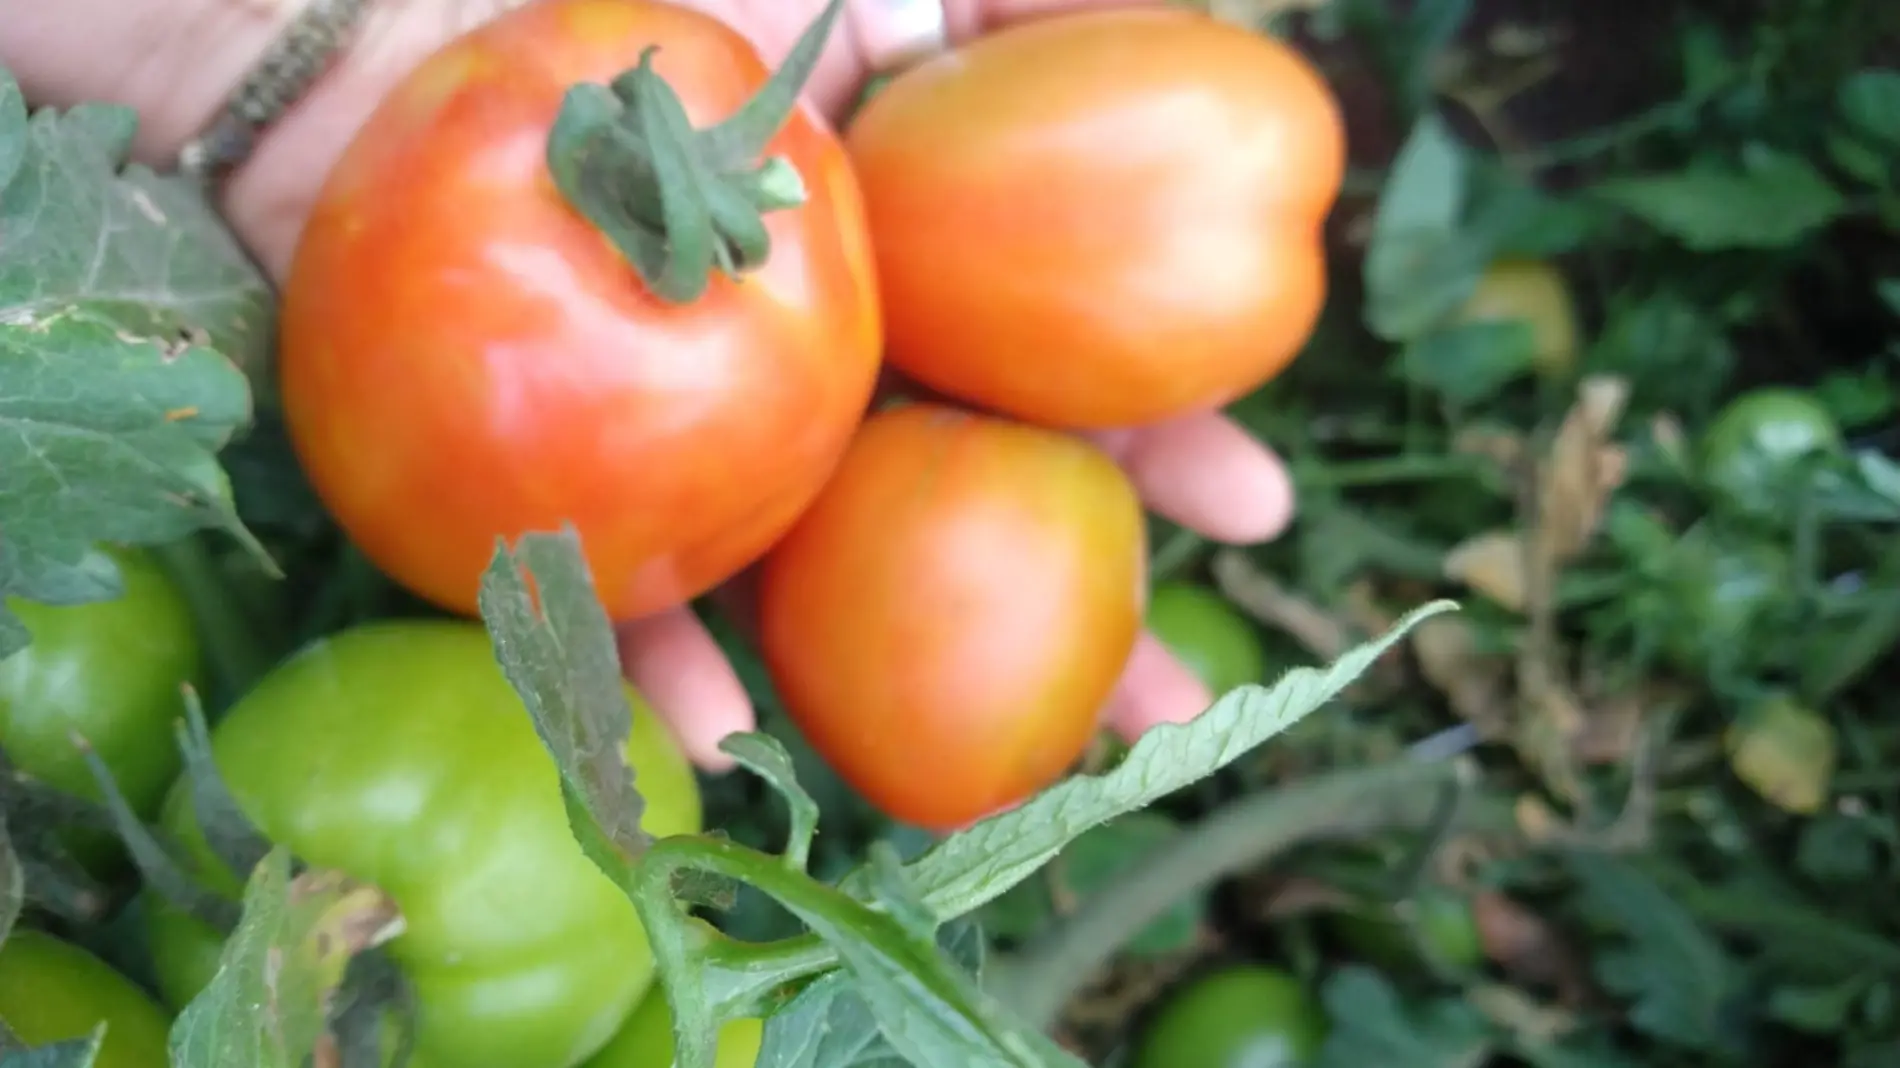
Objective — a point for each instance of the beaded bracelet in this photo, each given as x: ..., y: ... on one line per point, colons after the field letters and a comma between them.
x: 301, y: 54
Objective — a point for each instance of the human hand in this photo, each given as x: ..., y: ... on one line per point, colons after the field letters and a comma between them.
x: 176, y: 65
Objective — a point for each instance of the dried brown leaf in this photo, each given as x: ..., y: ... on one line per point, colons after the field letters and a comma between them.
x: 1520, y: 1014
x: 1491, y: 563
x: 1528, y: 947
x: 1472, y: 680
x: 1583, y: 469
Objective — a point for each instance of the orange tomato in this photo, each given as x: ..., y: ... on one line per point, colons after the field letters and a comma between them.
x: 465, y: 357
x: 947, y: 619
x: 1101, y: 219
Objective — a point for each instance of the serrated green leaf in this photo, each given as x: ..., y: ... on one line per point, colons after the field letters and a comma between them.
x: 105, y: 436
x: 1371, y: 1026
x: 974, y: 866
x: 557, y: 648
x: 828, y: 1025
x: 267, y: 1005
x: 151, y: 253
x: 1778, y: 200
x: 72, y: 1053
x: 1679, y: 977
x: 1870, y: 101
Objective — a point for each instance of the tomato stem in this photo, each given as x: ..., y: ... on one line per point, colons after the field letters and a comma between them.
x: 1039, y: 980
x: 677, y: 201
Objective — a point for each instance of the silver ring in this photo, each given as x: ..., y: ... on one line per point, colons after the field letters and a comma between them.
x: 896, y: 33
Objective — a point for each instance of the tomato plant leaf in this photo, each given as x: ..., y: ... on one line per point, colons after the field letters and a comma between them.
x: 1420, y: 265
x: 1471, y: 362
x: 1371, y: 1025
x: 1870, y: 101
x: 1680, y: 978
x: 155, y: 865
x: 974, y: 866
x: 233, y: 838
x: 149, y: 253
x: 72, y: 1053
x: 1774, y: 202
x: 826, y: 1026
x: 765, y: 756
x: 124, y: 301
x: 269, y: 1002
x: 105, y: 436
x: 558, y: 652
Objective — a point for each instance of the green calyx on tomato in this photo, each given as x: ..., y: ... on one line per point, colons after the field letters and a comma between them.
x: 110, y: 671
x: 453, y: 329
x: 398, y: 753
x: 54, y: 991
x: 947, y: 619
x: 679, y: 201
x: 1757, y: 440
x: 646, y: 1039
x: 1247, y: 1016
x: 1200, y: 627
x: 1536, y: 294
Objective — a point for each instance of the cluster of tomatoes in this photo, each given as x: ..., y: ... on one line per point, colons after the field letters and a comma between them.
x: 1083, y: 223
x: 1080, y: 223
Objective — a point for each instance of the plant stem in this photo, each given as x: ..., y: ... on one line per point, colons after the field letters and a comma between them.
x: 1385, y: 470
x: 237, y: 649
x: 1038, y: 981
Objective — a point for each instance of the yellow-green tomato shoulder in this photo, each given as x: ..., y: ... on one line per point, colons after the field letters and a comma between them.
x: 398, y: 752
x: 646, y: 1039
x: 53, y: 991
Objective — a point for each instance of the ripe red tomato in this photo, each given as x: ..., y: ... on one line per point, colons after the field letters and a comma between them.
x: 464, y: 356
x: 1101, y: 219
x: 946, y: 620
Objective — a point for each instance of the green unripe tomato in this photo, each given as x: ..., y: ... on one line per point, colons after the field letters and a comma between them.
x: 398, y: 753
x: 1241, y: 1017
x: 1754, y: 441
x: 53, y: 991
x: 1436, y: 925
x: 1536, y: 294
x: 1216, y: 642
x: 111, y: 671
x: 646, y: 1039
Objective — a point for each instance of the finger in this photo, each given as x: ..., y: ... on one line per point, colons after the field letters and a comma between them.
x: 1155, y: 687
x: 677, y: 666
x: 968, y: 18
x: 1208, y: 474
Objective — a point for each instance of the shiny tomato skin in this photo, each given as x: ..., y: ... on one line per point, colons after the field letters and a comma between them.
x: 112, y: 671
x: 646, y: 1039
x: 398, y: 753
x: 1242, y: 1016
x: 53, y: 991
x: 947, y: 619
x: 1101, y: 219
x: 464, y: 356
